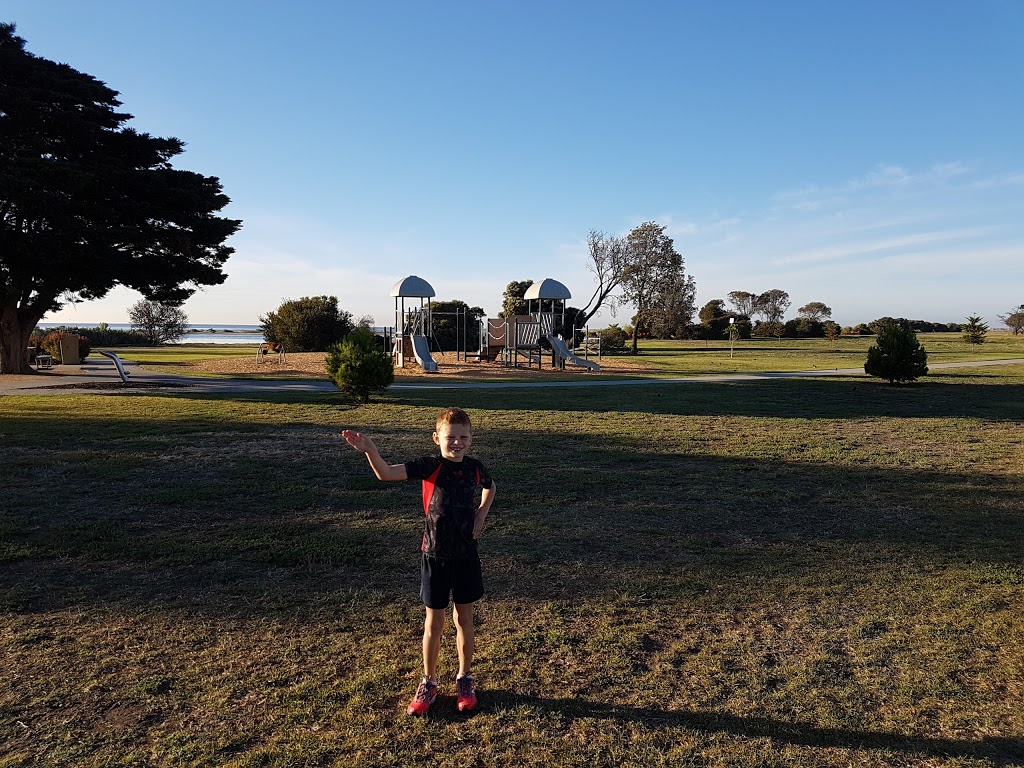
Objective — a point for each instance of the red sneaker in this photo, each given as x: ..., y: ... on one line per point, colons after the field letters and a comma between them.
x: 426, y: 695
x: 467, y: 693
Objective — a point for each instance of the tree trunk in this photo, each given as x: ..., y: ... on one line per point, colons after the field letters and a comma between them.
x: 636, y: 332
x: 15, y: 331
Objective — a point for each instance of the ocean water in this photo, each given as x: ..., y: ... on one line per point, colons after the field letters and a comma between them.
x: 223, y: 333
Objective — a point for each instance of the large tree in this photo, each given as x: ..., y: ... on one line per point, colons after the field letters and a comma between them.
x: 159, y: 323
x: 745, y: 303
x: 448, y: 326
x: 674, y: 307
x: 654, y: 273
x: 309, y: 324
x: 512, y: 301
x: 816, y: 310
x: 87, y: 203
x: 772, y: 305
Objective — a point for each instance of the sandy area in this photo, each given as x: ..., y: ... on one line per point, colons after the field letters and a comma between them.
x: 313, y: 364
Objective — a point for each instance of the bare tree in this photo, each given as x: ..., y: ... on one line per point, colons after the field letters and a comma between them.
x: 609, y: 256
x: 1014, y: 319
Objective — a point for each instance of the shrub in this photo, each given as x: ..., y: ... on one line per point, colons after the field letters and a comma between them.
x: 613, y: 340
x: 831, y: 330
x: 103, y: 335
x: 764, y: 329
x: 804, y: 328
x: 309, y: 324
x: 358, y: 365
x: 50, y: 344
x: 896, y: 355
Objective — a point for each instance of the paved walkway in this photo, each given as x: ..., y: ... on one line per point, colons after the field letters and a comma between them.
x: 100, y: 377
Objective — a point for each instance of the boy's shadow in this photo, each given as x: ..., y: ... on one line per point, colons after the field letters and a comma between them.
x: 1000, y: 751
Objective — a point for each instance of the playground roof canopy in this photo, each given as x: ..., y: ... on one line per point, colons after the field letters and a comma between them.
x: 413, y: 286
x: 547, y: 289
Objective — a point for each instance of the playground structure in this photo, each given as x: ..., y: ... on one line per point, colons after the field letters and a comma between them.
x: 268, y: 348
x: 525, y: 338
x: 413, y: 326
x: 515, y: 341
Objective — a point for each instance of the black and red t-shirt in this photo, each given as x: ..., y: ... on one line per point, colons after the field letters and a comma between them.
x: 449, y: 503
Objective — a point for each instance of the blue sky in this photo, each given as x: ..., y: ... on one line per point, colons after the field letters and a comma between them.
x: 864, y: 154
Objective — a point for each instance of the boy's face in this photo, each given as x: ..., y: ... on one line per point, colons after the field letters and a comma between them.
x: 454, y: 440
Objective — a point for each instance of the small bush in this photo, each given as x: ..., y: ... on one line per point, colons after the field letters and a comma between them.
x: 50, y: 344
x: 613, y: 340
x: 103, y: 335
x: 358, y: 366
x: 896, y: 355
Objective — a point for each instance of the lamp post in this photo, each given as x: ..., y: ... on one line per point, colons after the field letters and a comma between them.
x: 732, y: 334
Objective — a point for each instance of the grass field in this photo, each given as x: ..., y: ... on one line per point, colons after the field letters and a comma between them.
x: 676, y: 358
x: 687, y: 358
x: 815, y: 572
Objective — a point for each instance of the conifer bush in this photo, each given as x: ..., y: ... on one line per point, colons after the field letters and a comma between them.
x: 975, y: 330
x: 896, y: 355
x: 359, y: 366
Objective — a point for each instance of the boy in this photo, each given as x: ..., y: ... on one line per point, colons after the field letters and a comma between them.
x: 450, y: 564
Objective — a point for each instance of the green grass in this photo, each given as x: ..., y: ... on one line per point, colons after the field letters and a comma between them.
x: 179, y: 354
x: 675, y: 358
x: 776, y: 573
x: 687, y: 358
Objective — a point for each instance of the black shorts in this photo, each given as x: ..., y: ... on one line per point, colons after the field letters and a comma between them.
x: 459, y: 580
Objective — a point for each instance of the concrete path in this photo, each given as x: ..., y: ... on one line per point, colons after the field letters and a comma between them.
x: 100, y: 377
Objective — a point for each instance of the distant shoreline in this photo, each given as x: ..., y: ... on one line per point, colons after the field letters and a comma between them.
x: 192, y: 327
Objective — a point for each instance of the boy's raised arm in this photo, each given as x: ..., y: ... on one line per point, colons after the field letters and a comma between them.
x: 383, y: 470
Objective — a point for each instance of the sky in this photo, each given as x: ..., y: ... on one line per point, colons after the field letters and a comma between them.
x: 865, y: 154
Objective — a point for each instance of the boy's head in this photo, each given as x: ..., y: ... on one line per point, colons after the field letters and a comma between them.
x: 453, y: 433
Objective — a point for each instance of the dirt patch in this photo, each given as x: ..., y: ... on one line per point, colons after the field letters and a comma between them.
x: 313, y: 365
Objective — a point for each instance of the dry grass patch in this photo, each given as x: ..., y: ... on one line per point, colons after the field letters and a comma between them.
x: 786, y: 573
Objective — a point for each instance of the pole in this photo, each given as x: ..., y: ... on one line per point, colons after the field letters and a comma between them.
x: 732, y: 334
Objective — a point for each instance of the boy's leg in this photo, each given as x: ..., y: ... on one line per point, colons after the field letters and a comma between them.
x: 465, y: 636
x: 433, y: 629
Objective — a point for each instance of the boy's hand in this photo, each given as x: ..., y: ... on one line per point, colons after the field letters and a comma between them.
x: 357, y: 440
x: 478, y: 525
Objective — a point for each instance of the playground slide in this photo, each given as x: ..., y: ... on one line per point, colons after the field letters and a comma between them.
x: 421, y: 349
x: 558, y: 344
x: 120, y: 368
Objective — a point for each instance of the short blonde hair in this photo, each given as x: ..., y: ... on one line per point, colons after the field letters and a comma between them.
x: 452, y: 416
